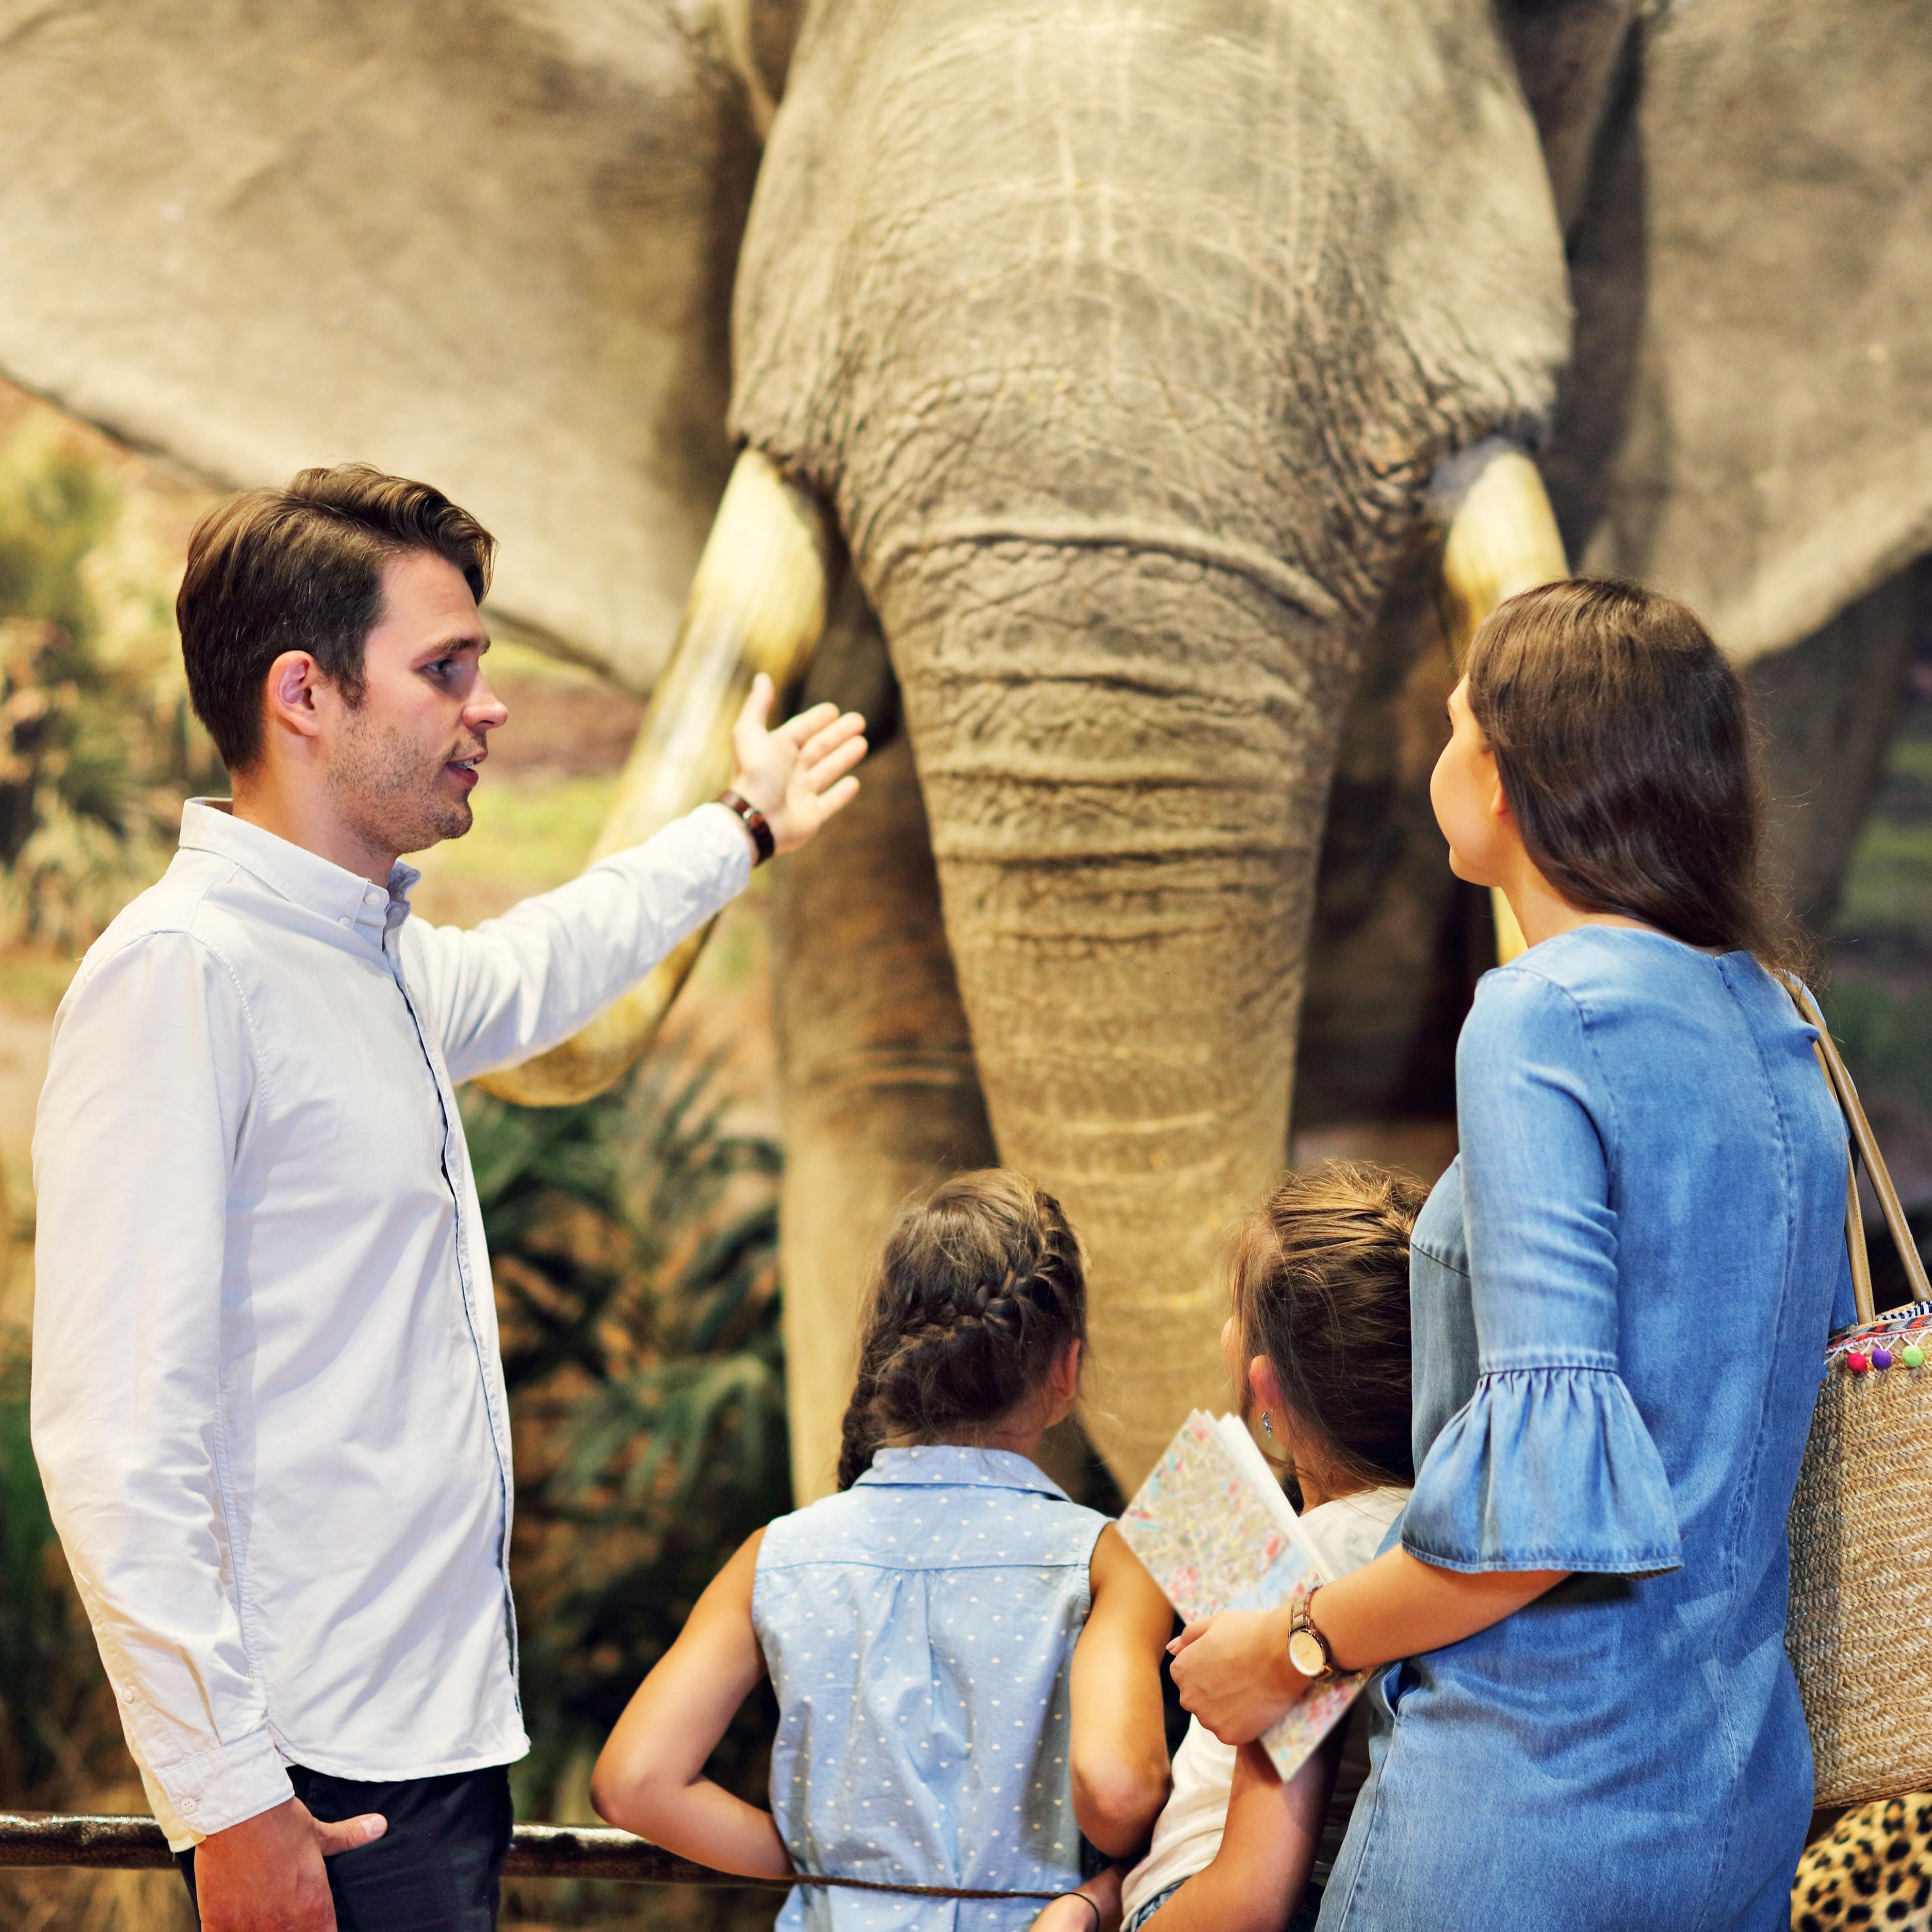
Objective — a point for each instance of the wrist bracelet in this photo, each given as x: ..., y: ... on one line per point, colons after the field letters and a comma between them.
x: 753, y: 821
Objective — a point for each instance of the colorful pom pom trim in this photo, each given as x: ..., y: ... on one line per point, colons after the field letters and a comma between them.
x: 1900, y: 1337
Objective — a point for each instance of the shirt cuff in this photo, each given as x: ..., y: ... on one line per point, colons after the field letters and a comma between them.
x: 711, y: 815
x: 227, y: 1785
x: 1545, y: 1468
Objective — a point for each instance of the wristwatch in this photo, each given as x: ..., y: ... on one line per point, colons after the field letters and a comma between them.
x: 1307, y: 1648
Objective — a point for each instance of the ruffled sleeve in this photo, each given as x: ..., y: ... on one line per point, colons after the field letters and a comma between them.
x: 1549, y: 1468
x: 1549, y: 1465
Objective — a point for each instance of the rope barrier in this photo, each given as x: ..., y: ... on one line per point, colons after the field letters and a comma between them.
x: 104, y: 1843
x: 110, y: 1844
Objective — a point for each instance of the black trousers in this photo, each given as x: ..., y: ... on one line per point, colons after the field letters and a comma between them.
x: 433, y: 1870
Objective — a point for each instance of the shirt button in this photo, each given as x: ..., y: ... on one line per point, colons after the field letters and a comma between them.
x: 189, y: 1807
x: 372, y: 897
x: 128, y: 1695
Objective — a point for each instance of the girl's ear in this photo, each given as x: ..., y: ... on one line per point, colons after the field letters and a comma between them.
x: 1065, y: 1374
x: 1267, y: 1385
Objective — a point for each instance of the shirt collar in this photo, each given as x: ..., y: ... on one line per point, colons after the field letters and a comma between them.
x: 343, y: 898
x: 957, y: 1464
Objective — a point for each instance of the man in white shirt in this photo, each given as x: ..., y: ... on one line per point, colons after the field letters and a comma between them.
x: 268, y: 1403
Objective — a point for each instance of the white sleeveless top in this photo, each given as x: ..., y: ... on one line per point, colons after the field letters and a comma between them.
x: 1347, y: 1531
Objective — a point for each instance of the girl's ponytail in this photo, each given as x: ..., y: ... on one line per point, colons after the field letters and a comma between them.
x: 1320, y: 1279
x: 980, y: 1286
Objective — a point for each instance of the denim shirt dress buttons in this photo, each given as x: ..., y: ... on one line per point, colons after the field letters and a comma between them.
x: 919, y: 1629
x: 1620, y: 1291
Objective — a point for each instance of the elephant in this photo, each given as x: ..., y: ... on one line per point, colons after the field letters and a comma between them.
x: 1130, y: 404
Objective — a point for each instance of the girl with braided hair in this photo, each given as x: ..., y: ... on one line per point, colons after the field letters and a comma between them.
x: 966, y: 1662
x: 1319, y: 1342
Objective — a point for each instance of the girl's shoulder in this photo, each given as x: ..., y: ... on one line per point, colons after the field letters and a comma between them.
x: 1350, y: 1531
x: 817, y: 1530
x: 922, y: 1527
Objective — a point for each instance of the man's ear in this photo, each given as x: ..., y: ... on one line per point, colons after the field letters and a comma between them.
x: 289, y: 694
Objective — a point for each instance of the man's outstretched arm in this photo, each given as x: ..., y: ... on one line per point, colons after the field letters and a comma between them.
x: 518, y: 986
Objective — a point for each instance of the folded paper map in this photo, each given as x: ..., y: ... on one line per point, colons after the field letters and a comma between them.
x: 1215, y: 1531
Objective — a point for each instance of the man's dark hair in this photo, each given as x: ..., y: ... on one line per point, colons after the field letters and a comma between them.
x: 300, y: 569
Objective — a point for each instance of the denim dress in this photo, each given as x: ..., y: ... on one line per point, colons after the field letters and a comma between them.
x: 1621, y: 1293
x: 919, y: 1630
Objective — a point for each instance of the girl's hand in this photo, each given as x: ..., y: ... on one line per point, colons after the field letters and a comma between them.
x: 1233, y: 1673
x: 1073, y: 1914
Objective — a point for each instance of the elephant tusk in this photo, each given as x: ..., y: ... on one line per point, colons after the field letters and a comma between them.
x: 734, y: 18
x: 1502, y: 539
x: 757, y: 603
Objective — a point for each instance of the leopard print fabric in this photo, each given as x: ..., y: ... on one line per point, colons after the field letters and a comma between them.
x: 1875, y: 1870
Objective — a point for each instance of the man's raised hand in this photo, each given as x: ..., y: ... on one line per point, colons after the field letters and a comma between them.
x: 266, y: 1874
x: 799, y: 775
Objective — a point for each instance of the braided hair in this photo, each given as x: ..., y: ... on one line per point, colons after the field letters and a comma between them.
x: 980, y: 1286
x: 1320, y: 1279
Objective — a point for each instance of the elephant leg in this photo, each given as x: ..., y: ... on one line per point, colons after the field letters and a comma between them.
x: 1827, y: 709
x: 1125, y: 755
x: 875, y: 1064
x: 1398, y: 942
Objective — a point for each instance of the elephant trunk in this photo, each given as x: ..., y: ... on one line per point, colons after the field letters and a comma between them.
x: 1125, y: 756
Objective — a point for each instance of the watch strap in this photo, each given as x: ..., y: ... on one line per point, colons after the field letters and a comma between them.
x: 1300, y: 1623
x: 753, y: 821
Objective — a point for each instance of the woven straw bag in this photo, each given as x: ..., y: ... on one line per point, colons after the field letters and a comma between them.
x: 1859, y: 1632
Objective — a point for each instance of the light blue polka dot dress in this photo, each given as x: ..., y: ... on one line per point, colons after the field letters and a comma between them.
x: 919, y: 1630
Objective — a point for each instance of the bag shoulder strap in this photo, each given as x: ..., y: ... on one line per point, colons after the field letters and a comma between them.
x: 1863, y: 1147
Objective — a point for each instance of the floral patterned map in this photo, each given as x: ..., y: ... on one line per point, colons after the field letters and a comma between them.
x: 1214, y: 1538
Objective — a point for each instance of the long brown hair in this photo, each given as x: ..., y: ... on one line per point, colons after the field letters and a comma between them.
x: 979, y: 1287
x: 1320, y: 1279
x: 1625, y: 752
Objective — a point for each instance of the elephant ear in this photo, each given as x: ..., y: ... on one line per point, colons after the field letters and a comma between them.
x: 490, y: 243
x: 1748, y: 420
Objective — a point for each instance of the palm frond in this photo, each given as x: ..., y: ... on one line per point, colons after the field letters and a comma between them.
x: 635, y: 1243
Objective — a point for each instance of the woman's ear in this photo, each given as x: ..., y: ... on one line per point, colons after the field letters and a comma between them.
x: 1499, y: 804
x: 1267, y: 1385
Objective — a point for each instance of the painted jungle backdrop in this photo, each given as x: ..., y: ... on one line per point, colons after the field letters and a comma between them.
x: 635, y: 1237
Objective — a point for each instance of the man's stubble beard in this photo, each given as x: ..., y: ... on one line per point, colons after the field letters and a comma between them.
x: 386, y: 786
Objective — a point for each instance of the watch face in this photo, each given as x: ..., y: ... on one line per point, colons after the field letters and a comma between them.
x: 1304, y: 1652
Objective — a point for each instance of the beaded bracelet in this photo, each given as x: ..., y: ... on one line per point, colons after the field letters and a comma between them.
x: 753, y: 821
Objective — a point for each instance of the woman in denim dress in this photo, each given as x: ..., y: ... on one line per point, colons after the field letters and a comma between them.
x: 1620, y: 1291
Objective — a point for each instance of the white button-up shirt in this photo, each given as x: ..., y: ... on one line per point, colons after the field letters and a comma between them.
x: 268, y: 1402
